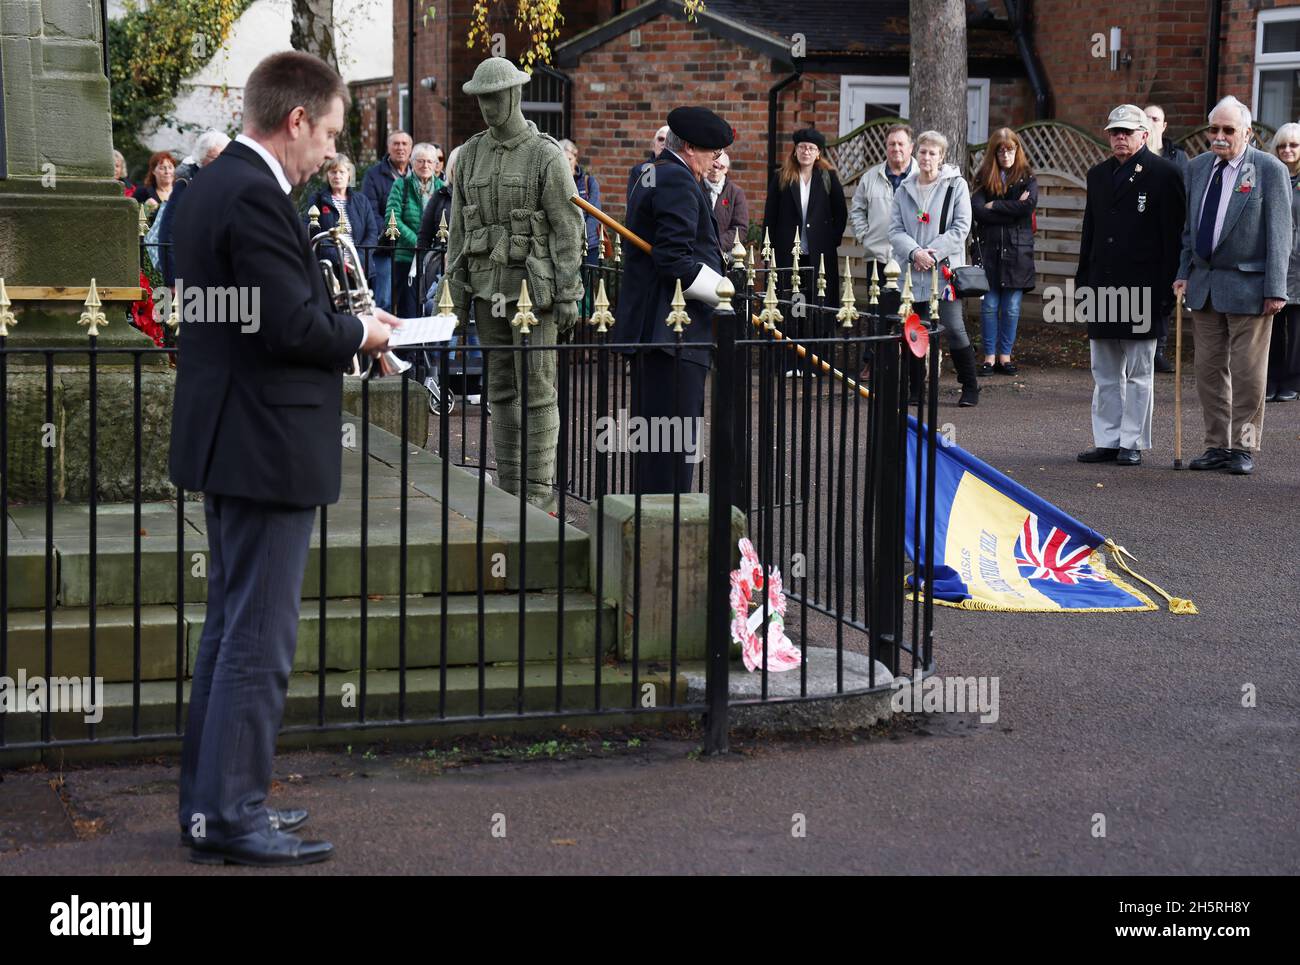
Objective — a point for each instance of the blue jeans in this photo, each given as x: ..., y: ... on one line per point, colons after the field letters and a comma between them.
x: 381, y: 281
x: 999, y: 316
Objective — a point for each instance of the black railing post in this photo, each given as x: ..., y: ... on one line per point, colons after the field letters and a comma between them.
x: 721, y: 487
x: 888, y: 468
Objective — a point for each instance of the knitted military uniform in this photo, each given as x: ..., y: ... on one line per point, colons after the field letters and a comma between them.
x: 511, y: 219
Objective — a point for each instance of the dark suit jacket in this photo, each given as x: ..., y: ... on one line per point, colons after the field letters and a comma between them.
x: 823, y: 228
x: 256, y: 413
x: 730, y: 213
x: 1132, y: 239
x: 675, y: 217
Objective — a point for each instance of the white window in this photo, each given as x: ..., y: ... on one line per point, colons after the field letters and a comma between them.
x: 404, y: 108
x: 1277, y: 66
x: 865, y: 97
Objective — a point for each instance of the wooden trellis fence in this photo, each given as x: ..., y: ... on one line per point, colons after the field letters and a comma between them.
x: 1060, y: 154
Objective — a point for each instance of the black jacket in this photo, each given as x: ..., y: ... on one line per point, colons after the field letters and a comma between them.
x: 823, y: 229
x: 1132, y: 239
x: 1004, y: 235
x: 676, y: 218
x: 256, y: 412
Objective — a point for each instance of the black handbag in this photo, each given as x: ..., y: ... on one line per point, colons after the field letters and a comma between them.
x: 968, y: 281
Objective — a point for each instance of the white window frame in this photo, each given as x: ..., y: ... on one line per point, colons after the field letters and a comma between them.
x: 1263, y: 61
x: 897, y: 89
x: 403, y: 109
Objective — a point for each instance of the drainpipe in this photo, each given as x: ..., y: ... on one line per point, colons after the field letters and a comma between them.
x: 1021, y: 32
x: 1212, y: 52
x: 772, y: 95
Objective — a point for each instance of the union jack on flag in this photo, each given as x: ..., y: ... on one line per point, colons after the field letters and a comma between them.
x: 1052, y: 555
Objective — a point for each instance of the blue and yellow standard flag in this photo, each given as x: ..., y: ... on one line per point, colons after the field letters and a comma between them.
x: 998, y: 546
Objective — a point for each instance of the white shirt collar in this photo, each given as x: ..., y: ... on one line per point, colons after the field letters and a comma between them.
x: 269, y: 158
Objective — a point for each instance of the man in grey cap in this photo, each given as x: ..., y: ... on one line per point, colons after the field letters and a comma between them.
x: 511, y: 220
x: 1128, y: 257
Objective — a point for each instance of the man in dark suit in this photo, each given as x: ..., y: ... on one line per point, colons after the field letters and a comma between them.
x: 255, y: 427
x: 1236, y: 247
x: 669, y: 208
x: 1128, y: 256
x: 730, y: 206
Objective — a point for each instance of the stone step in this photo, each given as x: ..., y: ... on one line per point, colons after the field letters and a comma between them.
x: 423, y: 698
x: 115, y: 636
x: 501, y: 554
x: 543, y: 635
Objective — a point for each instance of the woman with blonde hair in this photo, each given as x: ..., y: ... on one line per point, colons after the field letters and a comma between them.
x: 1283, y: 380
x: 928, y: 227
x: 1003, y: 203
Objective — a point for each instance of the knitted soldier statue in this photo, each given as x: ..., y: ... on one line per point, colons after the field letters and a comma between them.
x: 511, y: 219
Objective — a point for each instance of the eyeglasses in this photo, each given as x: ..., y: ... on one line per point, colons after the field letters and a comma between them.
x: 1215, y: 129
x: 1292, y: 146
x: 1121, y: 132
x: 1006, y: 150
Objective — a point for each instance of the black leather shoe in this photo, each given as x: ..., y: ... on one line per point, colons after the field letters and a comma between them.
x: 287, y: 819
x: 1163, y: 365
x: 264, y: 849
x: 1288, y: 395
x: 1128, y: 457
x: 1211, y: 459
x: 1240, y: 463
x: 1099, y: 454
x: 1007, y: 368
x: 986, y: 369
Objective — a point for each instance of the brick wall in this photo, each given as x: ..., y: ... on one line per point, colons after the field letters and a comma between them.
x: 622, y: 94
x: 1011, y: 102
x: 446, y: 115
x: 364, y: 99
x: 1167, y: 39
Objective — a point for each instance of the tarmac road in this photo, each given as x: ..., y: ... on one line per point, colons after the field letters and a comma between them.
x: 1135, y: 717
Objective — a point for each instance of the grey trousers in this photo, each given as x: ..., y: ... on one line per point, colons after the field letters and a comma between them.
x: 256, y: 557
x: 1123, y: 370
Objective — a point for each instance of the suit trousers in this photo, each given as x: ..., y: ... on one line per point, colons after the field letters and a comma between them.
x: 1231, y: 364
x: 257, y: 553
x: 1123, y: 400
x: 1284, y: 351
x: 665, y: 388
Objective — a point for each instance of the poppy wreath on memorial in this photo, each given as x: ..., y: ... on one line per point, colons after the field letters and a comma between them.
x: 142, y: 314
x: 746, y: 598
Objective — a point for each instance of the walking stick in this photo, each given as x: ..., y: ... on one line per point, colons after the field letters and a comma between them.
x: 800, y: 350
x: 1178, y: 381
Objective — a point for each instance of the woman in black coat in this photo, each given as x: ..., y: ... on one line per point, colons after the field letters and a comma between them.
x: 1006, y: 193
x: 806, y: 194
x: 339, y: 175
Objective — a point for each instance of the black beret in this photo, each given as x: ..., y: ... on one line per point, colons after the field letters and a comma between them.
x: 812, y: 136
x: 701, y: 127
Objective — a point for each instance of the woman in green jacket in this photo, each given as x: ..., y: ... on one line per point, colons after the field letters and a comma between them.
x: 407, y: 201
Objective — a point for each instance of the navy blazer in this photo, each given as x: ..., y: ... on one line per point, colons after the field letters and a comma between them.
x: 675, y: 216
x: 258, y: 402
x: 1132, y: 238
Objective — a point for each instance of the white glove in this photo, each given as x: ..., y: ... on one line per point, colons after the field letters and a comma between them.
x: 705, y: 287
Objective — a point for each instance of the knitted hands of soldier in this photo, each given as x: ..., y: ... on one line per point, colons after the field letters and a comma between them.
x: 566, y: 316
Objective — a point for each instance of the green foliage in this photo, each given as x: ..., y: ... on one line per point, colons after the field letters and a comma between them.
x: 151, y: 49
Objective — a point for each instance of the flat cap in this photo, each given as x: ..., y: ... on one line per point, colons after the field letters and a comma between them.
x: 494, y: 74
x: 810, y: 135
x: 701, y: 127
x: 1129, y: 117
